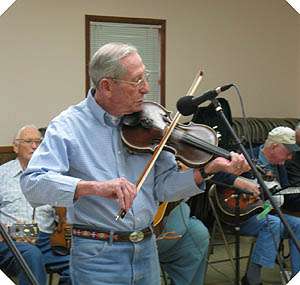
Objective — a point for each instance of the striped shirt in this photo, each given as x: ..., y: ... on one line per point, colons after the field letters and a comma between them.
x: 13, y: 205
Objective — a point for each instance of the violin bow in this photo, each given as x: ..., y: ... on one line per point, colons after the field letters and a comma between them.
x: 161, y: 145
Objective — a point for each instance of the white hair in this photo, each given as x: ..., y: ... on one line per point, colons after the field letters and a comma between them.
x: 106, y: 61
x: 18, y: 135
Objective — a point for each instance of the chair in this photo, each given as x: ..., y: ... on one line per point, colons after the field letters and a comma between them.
x: 51, y: 270
x: 226, y: 232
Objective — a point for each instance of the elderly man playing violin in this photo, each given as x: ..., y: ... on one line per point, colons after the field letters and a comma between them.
x: 82, y: 164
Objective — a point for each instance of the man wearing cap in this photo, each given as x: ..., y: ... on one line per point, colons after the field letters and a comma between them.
x: 278, y: 148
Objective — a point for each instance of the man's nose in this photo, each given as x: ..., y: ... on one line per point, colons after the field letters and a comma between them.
x: 34, y: 145
x: 146, y: 88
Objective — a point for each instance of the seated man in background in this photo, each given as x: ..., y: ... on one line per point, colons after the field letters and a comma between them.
x: 268, y: 231
x: 184, y: 258
x: 292, y: 201
x: 15, y: 209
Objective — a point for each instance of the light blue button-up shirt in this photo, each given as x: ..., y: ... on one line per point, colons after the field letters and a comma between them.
x: 83, y: 143
x: 14, y: 208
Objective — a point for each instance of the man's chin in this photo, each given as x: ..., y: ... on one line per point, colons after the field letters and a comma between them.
x: 133, y: 109
x: 137, y: 108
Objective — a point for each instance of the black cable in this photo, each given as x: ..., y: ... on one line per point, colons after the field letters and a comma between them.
x: 246, y: 123
x: 246, y: 127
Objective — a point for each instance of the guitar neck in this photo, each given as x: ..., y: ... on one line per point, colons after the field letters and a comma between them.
x: 288, y: 190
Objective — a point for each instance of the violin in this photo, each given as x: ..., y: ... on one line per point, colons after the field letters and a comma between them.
x: 192, y: 144
x: 159, y: 146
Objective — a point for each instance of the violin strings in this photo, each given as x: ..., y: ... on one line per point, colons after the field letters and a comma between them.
x: 203, y: 145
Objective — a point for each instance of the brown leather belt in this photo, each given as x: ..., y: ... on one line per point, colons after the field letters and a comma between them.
x: 98, y: 234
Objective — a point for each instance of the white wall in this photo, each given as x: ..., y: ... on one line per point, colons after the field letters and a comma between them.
x: 254, y: 44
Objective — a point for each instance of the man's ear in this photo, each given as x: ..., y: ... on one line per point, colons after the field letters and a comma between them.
x: 15, y: 148
x: 105, y: 84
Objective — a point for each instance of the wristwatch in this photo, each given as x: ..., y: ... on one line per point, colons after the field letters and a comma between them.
x: 205, y: 176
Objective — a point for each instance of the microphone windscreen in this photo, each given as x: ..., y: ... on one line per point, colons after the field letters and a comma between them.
x: 185, y: 106
x: 225, y: 87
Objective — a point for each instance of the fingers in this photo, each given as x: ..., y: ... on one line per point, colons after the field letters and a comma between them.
x: 129, y: 194
x: 238, y: 164
x: 248, y: 185
x: 125, y: 192
x: 256, y: 192
x: 119, y: 189
x: 255, y: 189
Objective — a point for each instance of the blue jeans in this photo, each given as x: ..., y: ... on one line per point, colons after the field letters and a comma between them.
x: 59, y: 262
x: 268, y: 233
x: 33, y: 258
x: 96, y: 262
x: 37, y: 257
x: 184, y: 259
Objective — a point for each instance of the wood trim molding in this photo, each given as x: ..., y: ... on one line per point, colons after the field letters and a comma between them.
x: 6, y: 149
x: 145, y: 21
x: 6, y: 154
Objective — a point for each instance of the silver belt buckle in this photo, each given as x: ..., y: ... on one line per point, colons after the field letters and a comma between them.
x: 136, y: 236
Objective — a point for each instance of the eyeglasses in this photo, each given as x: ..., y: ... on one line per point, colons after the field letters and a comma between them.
x: 30, y: 142
x: 137, y: 84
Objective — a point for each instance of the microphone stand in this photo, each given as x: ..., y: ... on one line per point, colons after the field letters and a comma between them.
x: 17, y: 255
x: 237, y: 237
x: 261, y: 182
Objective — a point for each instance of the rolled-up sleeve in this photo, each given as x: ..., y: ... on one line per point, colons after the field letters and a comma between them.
x: 171, y: 185
x: 46, y: 180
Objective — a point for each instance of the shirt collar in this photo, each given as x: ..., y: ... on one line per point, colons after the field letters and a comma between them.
x: 17, y: 169
x: 263, y: 161
x: 99, y: 113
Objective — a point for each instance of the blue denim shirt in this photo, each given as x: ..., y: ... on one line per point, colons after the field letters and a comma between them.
x: 83, y: 143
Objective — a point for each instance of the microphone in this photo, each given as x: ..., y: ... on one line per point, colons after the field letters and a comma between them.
x: 188, y: 105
